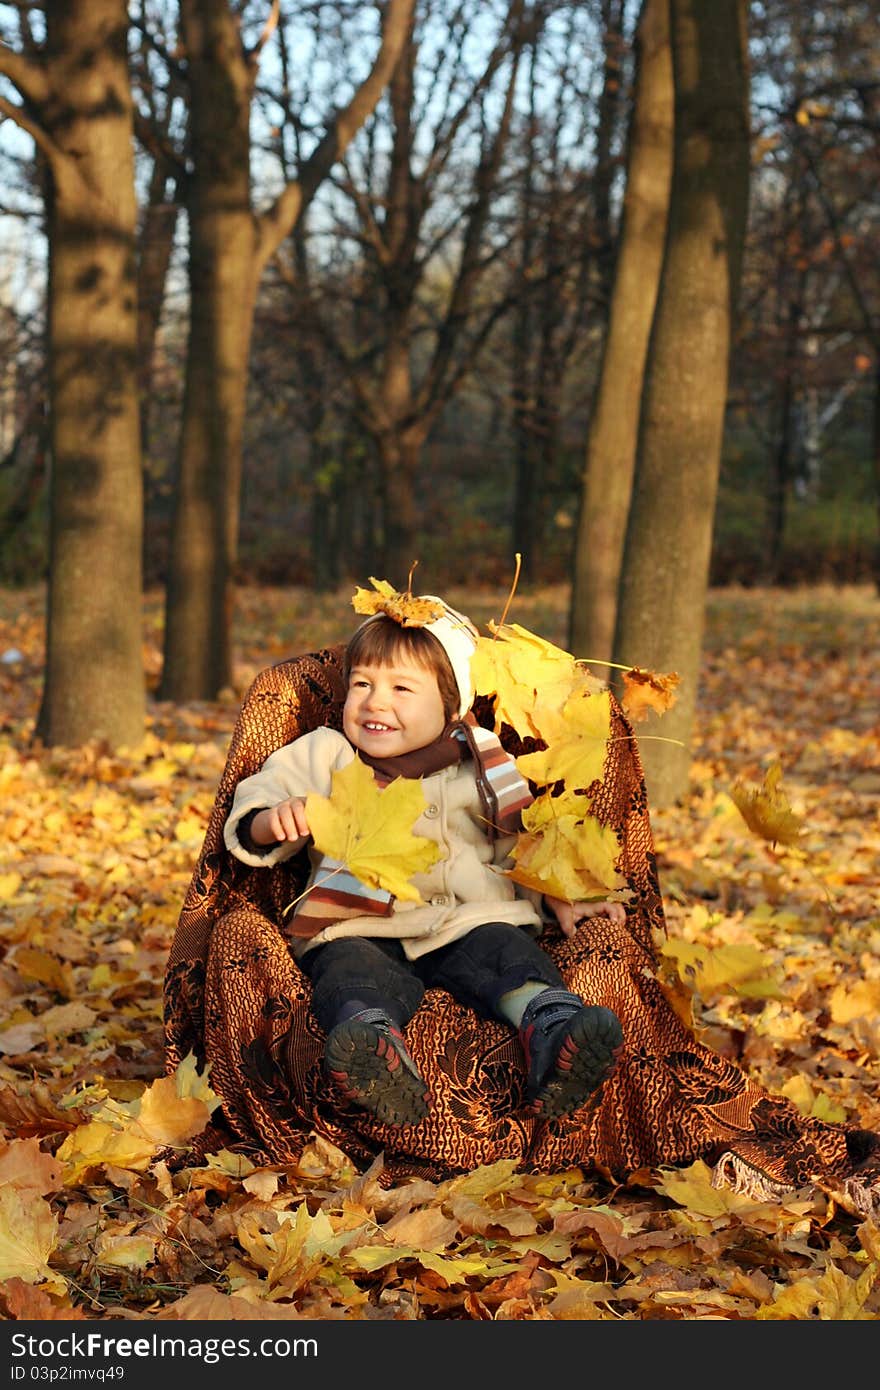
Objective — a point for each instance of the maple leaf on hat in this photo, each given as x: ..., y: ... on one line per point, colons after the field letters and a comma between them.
x: 407, y: 609
x: 369, y: 829
x: 648, y: 690
x: 766, y: 810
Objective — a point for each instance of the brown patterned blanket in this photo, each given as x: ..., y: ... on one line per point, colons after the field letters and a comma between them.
x: 235, y: 998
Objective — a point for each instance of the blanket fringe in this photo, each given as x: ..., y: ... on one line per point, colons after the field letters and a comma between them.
x: 864, y: 1197
x: 732, y: 1171
x: 859, y: 1195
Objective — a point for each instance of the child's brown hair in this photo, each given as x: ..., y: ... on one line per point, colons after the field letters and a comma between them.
x: 380, y: 641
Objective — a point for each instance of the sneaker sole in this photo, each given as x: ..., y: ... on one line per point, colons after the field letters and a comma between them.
x: 588, y: 1055
x: 368, y: 1068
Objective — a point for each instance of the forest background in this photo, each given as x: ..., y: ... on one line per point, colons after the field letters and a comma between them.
x: 500, y: 461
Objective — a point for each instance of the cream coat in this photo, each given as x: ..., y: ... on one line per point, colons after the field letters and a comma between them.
x: 465, y: 889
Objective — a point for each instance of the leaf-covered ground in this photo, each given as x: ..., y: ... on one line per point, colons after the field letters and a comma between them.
x: 775, y: 954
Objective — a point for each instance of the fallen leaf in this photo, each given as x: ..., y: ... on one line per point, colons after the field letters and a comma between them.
x: 644, y: 691
x: 169, y: 1117
x: 21, y: 1038
x: 124, y: 1252
x: 24, y: 1166
x: 832, y: 1297
x: 263, y: 1184
x: 209, y: 1305
x: 39, y: 965
x: 28, y: 1230
x: 766, y: 809
x: 859, y: 999
x: 32, y: 1303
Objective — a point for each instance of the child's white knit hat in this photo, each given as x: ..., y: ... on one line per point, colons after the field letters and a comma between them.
x: 458, y: 637
x: 456, y: 634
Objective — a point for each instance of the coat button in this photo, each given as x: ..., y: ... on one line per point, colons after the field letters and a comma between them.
x: 432, y: 810
x: 439, y: 900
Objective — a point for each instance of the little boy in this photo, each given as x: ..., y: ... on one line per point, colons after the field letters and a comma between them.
x: 369, y: 956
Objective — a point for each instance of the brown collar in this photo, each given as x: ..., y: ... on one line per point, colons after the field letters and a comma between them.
x: 445, y: 751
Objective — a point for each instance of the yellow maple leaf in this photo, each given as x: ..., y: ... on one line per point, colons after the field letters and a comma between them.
x: 515, y: 667
x: 406, y: 609
x: 692, y: 1189
x: 570, y: 860
x: 809, y: 1102
x: 9, y: 886
x: 114, y: 1251
x: 563, y: 850
x: 648, y: 690
x: 173, y: 1110
x: 292, y: 1254
x: 832, y: 1296
x: 170, y: 1111
x: 577, y: 739
x: 766, y: 810
x: 861, y: 999
x: 370, y: 829
x: 28, y: 1231
x: 728, y: 969
x: 34, y: 964
x: 100, y: 1141
x: 24, y: 1165
x: 544, y: 862
x: 487, y: 1179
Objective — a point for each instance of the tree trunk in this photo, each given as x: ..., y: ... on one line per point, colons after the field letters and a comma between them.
x: 611, y: 17
x: 522, y: 393
x: 155, y: 245
x: 875, y: 454
x: 668, y: 540
x: 606, y: 486
x: 229, y: 248
x: 198, y: 657
x: 399, y: 454
x: 777, y: 489
x: 94, y: 681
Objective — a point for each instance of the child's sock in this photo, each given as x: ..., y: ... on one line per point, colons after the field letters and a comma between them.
x: 512, y: 1005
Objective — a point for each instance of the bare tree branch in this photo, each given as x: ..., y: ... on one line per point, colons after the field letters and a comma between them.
x: 27, y: 76
x: 268, y: 30
x: 277, y: 222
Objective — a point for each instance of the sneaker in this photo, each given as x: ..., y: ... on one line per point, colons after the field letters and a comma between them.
x: 571, y: 1048
x: 367, y: 1058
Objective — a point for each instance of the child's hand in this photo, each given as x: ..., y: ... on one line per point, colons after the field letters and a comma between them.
x: 286, y: 821
x: 570, y: 914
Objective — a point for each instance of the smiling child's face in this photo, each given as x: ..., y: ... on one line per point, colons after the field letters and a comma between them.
x: 392, y: 709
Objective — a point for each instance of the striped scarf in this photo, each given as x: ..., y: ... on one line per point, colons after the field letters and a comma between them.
x: 335, y: 893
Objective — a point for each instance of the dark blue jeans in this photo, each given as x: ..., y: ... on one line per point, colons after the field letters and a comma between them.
x: 360, y: 972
